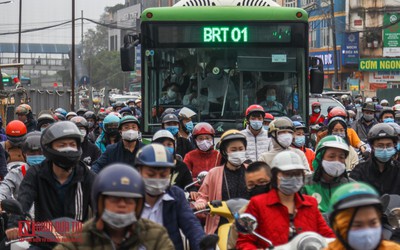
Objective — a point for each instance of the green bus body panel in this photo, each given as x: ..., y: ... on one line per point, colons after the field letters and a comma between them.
x: 237, y: 13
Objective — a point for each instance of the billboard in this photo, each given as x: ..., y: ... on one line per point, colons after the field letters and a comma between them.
x: 350, y: 49
x: 391, y: 35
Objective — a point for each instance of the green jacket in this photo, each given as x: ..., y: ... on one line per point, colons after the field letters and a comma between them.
x: 149, y: 236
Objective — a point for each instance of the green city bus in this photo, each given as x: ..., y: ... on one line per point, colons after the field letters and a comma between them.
x: 218, y: 60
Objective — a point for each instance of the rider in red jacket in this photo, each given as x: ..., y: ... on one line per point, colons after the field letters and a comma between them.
x: 316, y: 117
x: 283, y: 212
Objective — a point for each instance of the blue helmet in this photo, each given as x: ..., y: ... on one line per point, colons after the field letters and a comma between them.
x: 61, y: 111
x: 119, y: 180
x: 110, y: 120
x: 154, y: 155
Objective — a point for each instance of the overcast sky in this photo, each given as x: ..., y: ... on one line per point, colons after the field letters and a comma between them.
x: 40, y: 13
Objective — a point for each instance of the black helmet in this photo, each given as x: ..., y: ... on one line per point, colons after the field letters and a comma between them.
x: 81, y: 111
x: 386, y: 110
x: 32, y: 142
x: 119, y: 180
x: 57, y: 131
x: 170, y: 118
x: 44, y: 118
x: 297, y: 118
x: 119, y: 104
x: 381, y: 131
x: 375, y: 99
x: 126, y: 111
x: 368, y: 106
x: 101, y: 115
x: 90, y: 115
x: 168, y: 111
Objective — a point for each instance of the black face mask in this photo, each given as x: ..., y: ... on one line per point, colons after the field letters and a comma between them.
x: 113, y: 132
x: 258, y: 189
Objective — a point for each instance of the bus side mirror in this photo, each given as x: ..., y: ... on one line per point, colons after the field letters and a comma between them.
x: 128, y: 58
x: 316, y: 81
x: 316, y: 75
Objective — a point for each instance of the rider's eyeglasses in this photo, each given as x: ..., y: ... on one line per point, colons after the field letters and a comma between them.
x: 116, y: 200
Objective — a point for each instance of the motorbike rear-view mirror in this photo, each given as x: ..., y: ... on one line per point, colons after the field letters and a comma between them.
x: 394, y: 217
x: 245, y: 223
x: 201, y: 176
x: 12, y: 206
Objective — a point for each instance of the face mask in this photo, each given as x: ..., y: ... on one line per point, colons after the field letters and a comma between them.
x: 171, y: 150
x: 368, y: 118
x: 358, y: 105
x: 375, y: 103
x: 130, y: 135
x: 387, y: 120
x: 365, y: 239
x: 113, y: 132
x: 67, y: 149
x: 83, y: 132
x: 271, y: 98
x: 266, y: 127
x: 340, y: 134
x: 290, y: 185
x: 189, y: 126
x: 237, y: 158
x: 351, y: 120
x: 204, y: 145
x: 91, y: 124
x: 285, y: 139
x: 258, y: 189
x: 333, y: 168
x: 155, y: 187
x: 317, y: 110
x: 117, y: 220
x: 256, y: 125
x: 299, y: 141
x: 178, y: 70
x: 132, y: 106
x: 34, y: 159
x: 398, y: 147
x: 173, y: 129
x: 384, y: 155
x: 42, y: 129
x: 171, y: 94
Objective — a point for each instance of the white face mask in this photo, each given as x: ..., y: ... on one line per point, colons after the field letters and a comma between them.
x: 117, y: 220
x: 171, y: 94
x: 67, y: 149
x: 130, y: 135
x: 285, y: 139
x: 83, y: 132
x: 237, y: 158
x: 156, y: 187
x: 333, y: 168
x: 204, y: 145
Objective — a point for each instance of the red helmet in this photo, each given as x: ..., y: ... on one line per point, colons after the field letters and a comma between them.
x: 316, y: 104
x: 268, y: 117
x: 254, y: 108
x: 336, y: 111
x: 203, y: 128
x: 16, y: 128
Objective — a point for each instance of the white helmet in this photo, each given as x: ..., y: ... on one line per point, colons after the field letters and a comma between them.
x: 397, y: 98
x: 163, y: 133
x: 287, y: 160
x: 384, y: 101
x: 186, y: 113
x: 368, y: 99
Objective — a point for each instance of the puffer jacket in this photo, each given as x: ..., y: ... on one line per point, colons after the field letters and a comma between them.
x: 148, y: 235
x: 273, y: 220
x: 321, y: 190
x: 10, y: 185
x: 267, y: 157
x: 256, y: 145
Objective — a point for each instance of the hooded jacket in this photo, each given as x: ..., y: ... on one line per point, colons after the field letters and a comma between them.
x: 362, y: 129
x: 197, y: 161
x: 256, y: 145
x: 318, y: 188
x: 267, y: 157
x: 316, y: 118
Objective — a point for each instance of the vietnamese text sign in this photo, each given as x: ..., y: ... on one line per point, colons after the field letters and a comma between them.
x: 379, y: 64
x: 350, y: 49
x: 391, y: 35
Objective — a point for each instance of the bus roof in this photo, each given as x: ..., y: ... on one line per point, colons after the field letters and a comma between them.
x: 235, y: 13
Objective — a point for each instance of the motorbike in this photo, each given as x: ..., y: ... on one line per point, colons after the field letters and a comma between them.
x: 391, y: 217
x: 226, y: 209
x: 247, y: 224
x: 199, y: 180
x: 46, y: 235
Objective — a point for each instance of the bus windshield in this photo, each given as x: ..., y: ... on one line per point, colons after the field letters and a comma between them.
x: 219, y: 69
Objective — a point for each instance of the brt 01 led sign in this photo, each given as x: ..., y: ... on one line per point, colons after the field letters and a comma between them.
x: 225, y: 34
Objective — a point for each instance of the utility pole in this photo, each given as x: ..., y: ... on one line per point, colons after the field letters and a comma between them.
x: 73, y: 59
x: 82, y: 29
x: 19, y: 38
x: 335, y: 57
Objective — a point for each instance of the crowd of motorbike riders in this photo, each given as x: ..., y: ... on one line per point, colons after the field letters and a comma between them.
x: 327, y: 178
